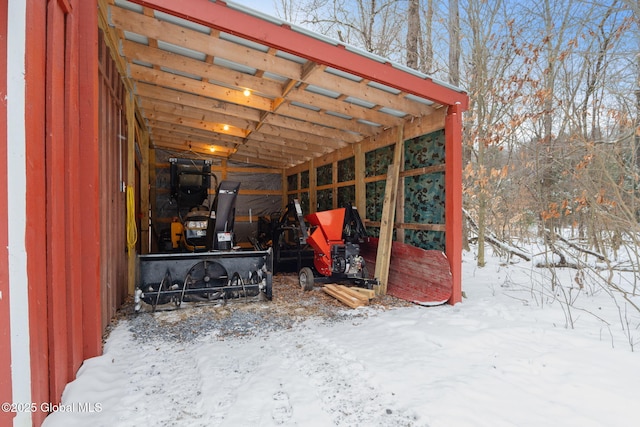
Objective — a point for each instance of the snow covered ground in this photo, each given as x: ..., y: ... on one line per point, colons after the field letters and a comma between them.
x: 502, y: 357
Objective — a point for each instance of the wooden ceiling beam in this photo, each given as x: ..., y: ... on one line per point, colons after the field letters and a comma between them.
x: 320, y: 141
x: 259, y: 157
x: 259, y: 140
x: 347, y: 108
x: 209, y: 44
x: 196, y: 148
x: 207, y: 71
x: 322, y: 118
x: 294, y: 129
x: 306, y: 127
x: 219, y: 145
x: 167, y: 108
x: 202, y: 119
x: 219, y: 16
x: 181, y: 83
x: 183, y: 131
x: 258, y: 60
x: 196, y: 123
x: 286, y: 140
x: 187, y: 84
x: 151, y: 91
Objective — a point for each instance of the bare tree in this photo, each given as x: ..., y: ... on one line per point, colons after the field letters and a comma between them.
x: 454, y: 42
x: 376, y: 26
x: 413, y: 33
x: 288, y: 10
x: 485, y: 71
x: 427, y: 40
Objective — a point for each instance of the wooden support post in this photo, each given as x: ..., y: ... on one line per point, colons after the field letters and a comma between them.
x: 361, y: 188
x: 144, y: 193
x: 453, y: 198
x: 285, y: 190
x: 334, y: 188
x: 152, y: 195
x: 383, y: 257
x: 401, y: 197
x: 223, y: 174
x: 131, y: 182
x: 313, y: 194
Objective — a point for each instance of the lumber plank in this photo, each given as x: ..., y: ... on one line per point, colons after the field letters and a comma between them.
x: 388, y: 216
x: 343, y: 296
x: 369, y: 293
x: 353, y: 293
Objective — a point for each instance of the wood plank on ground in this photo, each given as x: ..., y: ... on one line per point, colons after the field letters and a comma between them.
x: 369, y: 293
x: 346, y: 295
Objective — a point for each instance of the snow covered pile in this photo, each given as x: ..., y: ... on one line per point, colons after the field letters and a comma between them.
x: 505, y: 356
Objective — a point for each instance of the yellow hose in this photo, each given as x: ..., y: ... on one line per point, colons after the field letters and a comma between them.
x: 132, y: 229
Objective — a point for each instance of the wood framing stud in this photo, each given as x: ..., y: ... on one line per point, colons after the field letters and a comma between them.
x: 383, y: 257
x: 131, y: 180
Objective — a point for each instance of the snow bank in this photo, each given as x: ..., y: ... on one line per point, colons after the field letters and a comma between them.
x: 503, y: 357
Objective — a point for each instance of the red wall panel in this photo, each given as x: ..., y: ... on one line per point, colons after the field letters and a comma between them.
x: 63, y: 247
x: 88, y: 177
x: 56, y: 167
x: 5, y: 333
x: 35, y: 240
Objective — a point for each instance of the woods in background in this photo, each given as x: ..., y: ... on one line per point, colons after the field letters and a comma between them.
x: 551, y: 136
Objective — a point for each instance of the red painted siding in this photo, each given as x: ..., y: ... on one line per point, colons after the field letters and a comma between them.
x: 453, y: 204
x: 5, y: 333
x: 63, y: 248
x: 35, y: 240
x: 89, y: 179
x: 56, y: 166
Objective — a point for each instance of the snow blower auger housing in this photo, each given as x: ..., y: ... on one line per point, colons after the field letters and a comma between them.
x: 335, y: 239
x: 204, y: 276
x: 213, y: 268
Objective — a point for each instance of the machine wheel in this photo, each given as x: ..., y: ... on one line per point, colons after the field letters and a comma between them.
x: 207, y: 275
x: 306, y: 279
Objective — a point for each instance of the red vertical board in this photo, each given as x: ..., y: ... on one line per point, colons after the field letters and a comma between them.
x: 453, y: 203
x: 55, y: 204
x: 72, y: 198
x: 88, y: 171
x: 35, y: 240
x: 5, y: 332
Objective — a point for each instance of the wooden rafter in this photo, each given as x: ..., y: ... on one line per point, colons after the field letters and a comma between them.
x: 190, y: 78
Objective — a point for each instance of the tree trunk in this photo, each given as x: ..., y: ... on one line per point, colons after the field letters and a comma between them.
x: 454, y: 43
x: 413, y: 33
x: 427, y: 56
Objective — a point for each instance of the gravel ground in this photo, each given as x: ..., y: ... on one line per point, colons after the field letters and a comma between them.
x: 237, y: 319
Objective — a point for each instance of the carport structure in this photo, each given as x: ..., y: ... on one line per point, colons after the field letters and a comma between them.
x: 122, y: 84
x: 218, y: 80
